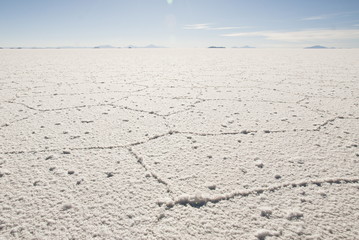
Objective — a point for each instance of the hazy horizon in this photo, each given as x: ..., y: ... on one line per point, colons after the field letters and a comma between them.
x: 165, y: 47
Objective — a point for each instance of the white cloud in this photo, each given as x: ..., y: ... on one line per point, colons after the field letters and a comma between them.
x: 315, y: 18
x: 331, y: 15
x: 208, y: 26
x: 301, y: 36
x: 198, y: 26
x: 227, y: 28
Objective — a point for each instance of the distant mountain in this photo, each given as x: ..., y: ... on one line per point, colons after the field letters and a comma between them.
x: 148, y: 46
x: 104, y: 46
x: 316, y: 47
x: 216, y: 47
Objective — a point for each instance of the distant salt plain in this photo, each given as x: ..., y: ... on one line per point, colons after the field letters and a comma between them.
x: 179, y: 144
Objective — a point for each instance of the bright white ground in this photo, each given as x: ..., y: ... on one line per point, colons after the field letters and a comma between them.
x: 179, y: 144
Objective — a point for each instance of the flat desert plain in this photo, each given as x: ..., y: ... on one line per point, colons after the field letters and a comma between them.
x: 179, y: 144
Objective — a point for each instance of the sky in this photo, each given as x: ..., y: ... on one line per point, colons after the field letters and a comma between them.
x: 180, y: 23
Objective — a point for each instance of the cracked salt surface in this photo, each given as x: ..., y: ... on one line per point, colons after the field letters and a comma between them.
x: 164, y: 144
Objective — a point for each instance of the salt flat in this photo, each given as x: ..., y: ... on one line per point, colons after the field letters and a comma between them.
x: 179, y: 144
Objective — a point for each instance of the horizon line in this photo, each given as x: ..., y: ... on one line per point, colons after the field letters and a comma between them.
x: 209, y: 47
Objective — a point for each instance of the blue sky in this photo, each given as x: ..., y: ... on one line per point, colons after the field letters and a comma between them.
x: 179, y: 23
